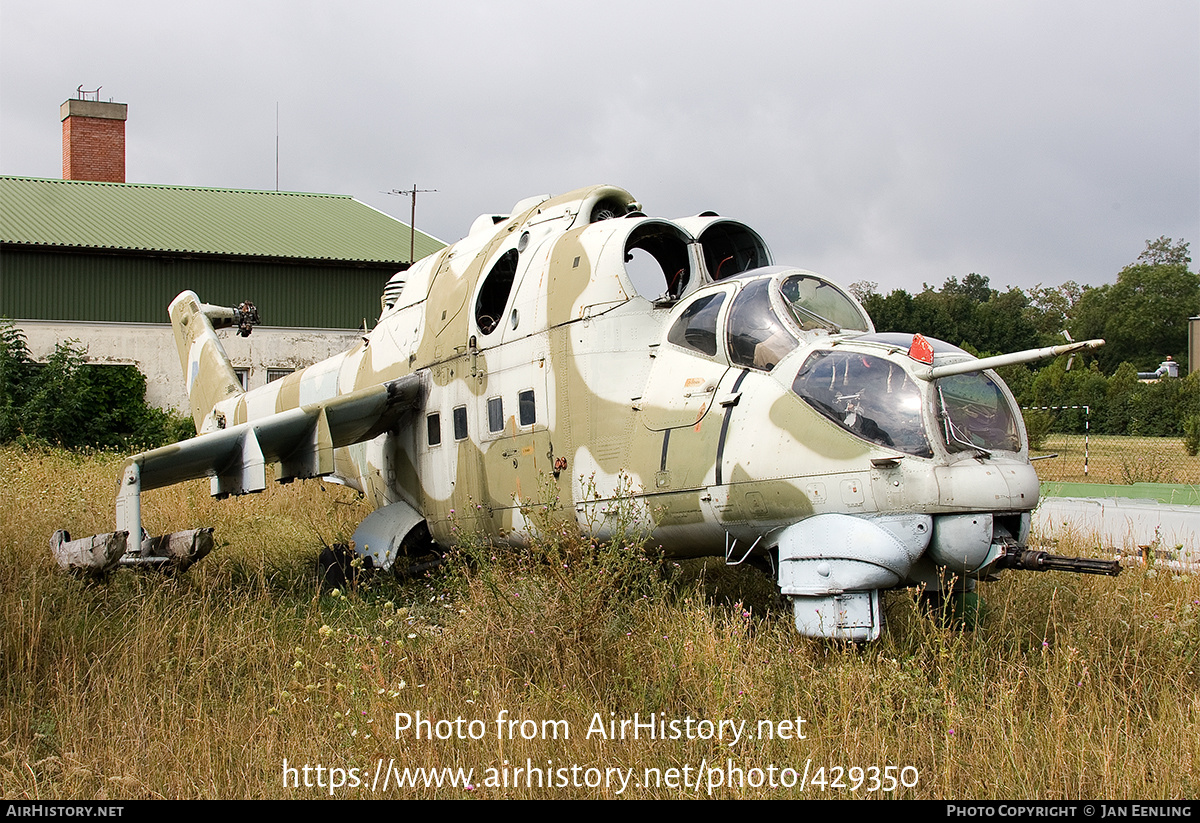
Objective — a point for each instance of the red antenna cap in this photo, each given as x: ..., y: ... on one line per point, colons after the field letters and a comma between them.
x: 921, y: 350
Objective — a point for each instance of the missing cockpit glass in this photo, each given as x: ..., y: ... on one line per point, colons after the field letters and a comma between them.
x: 493, y: 294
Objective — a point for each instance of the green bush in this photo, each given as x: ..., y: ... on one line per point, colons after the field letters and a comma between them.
x: 1120, y: 404
x: 68, y: 402
x: 1037, y: 426
x: 1191, y: 435
x: 16, y: 371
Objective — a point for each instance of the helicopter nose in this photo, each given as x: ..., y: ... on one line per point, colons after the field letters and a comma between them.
x: 987, y: 486
x: 833, y: 567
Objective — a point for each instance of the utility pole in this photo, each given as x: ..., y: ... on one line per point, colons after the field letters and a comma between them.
x: 412, y: 225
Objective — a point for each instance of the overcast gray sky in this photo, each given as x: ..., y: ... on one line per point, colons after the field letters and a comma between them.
x: 1031, y: 141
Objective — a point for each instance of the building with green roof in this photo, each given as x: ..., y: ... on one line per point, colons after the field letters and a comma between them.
x: 100, y: 262
x: 120, y: 252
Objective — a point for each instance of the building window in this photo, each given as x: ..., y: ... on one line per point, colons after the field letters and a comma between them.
x: 434, y: 425
x: 460, y: 423
x: 243, y: 376
x: 526, y: 409
x: 495, y: 414
x: 277, y: 374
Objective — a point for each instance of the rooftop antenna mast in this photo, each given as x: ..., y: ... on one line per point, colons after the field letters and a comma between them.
x: 412, y: 225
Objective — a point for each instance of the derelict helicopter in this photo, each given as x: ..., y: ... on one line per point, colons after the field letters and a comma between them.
x: 576, y: 347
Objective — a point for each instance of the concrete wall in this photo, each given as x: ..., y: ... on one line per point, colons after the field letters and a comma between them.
x: 151, y: 347
x: 1169, y: 534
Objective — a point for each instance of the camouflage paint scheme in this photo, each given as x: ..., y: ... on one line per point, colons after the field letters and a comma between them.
x: 580, y: 379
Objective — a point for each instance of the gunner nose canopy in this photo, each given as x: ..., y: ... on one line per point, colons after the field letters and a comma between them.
x: 870, y: 397
x: 878, y: 399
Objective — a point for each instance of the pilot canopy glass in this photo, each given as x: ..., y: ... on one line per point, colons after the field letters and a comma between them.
x: 816, y: 304
x: 768, y: 312
x: 870, y: 397
x: 975, y: 414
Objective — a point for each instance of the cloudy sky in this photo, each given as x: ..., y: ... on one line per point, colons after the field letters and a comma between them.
x: 1031, y: 141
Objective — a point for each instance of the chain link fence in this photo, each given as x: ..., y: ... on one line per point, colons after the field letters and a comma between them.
x: 1064, y: 450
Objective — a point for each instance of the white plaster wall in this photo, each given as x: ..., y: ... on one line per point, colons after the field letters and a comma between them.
x: 1123, y: 524
x: 151, y: 347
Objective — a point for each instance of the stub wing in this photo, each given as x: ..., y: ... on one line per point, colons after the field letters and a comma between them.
x: 301, y: 441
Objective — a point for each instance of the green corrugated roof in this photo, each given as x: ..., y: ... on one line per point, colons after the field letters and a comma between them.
x: 82, y: 214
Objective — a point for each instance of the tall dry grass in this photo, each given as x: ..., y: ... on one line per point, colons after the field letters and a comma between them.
x: 203, y: 684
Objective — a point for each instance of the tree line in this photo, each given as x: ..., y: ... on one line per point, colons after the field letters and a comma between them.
x: 1143, y: 318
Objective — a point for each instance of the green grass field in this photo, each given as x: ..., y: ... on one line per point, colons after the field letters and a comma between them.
x: 204, y: 684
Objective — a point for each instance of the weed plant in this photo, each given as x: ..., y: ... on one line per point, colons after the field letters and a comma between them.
x: 203, y: 684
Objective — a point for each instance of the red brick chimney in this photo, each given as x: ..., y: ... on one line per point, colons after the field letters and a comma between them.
x: 93, y: 140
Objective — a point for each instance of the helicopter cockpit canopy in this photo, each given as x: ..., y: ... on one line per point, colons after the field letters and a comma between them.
x: 774, y: 311
x: 975, y: 415
x: 876, y: 398
x: 871, y: 397
x: 771, y: 314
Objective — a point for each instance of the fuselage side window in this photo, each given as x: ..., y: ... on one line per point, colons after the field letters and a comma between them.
x: 526, y: 409
x: 495, y: 410
x: 696, y: 327
x: 434, y: 427
x: 460, y: 423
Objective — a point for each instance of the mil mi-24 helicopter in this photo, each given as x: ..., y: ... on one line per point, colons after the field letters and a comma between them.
x: 577, y: 348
